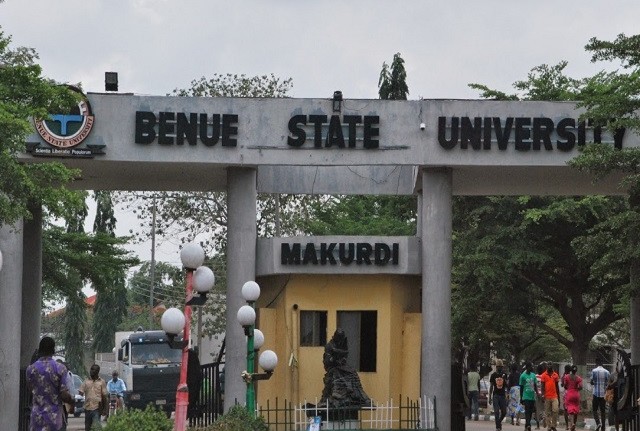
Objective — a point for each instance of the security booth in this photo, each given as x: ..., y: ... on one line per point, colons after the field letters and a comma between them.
x: 367, y: 286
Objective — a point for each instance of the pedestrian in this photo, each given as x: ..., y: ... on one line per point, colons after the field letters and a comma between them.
x: 473, y: 388
x: 550, y: 391
x: 96, y: 401
x: 572, y: 384
x: 529, y: 390
x: 49, y: 384
x: 616, y: 380
x: 539, y: 411
x: 498, y: 393
x: 513, y: 386
x: 599, y: 380
x: 567, y: 371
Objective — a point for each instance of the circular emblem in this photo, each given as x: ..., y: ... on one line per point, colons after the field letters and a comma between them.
x: 68, y: 129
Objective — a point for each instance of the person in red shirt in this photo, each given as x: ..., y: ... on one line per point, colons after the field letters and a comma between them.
x: 550, y: 392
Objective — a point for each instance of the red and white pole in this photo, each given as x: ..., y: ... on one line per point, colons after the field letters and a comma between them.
x: 182, y: 393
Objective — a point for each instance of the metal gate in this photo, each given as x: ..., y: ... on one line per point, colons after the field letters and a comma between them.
x: 209, y: 404
x: 628, y: 410
x: 25, y: 402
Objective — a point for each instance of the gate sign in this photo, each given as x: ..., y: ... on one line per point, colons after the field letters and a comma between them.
x: 304, y: 146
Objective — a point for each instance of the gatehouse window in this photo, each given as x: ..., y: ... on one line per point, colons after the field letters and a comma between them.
x: 313, y: 328
x: 361, y: 328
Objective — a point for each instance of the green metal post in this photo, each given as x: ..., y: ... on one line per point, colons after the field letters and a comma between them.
x: 251, y: 390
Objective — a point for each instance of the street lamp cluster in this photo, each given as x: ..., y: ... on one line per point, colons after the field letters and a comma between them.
x: 255, y: 339
x: 201, y: 279
x: 173, y: 321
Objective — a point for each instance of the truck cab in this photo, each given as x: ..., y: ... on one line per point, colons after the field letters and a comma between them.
x: 150, y: 369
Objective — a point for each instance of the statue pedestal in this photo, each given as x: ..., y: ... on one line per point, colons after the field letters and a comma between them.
x: 341, y: 425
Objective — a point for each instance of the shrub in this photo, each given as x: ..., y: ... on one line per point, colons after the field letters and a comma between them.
x: 237, y: 419
x: 149, y: 419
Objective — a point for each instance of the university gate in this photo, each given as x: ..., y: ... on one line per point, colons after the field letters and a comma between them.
x: 432, y: 148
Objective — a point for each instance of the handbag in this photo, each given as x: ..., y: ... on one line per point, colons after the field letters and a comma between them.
x: 608, y: 396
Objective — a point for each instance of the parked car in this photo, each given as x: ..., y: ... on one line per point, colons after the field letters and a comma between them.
x: 78, y: 399
x: 483, y: 396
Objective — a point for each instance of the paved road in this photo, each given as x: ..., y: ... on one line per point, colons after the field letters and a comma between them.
x: 76, y: 424
x: 490, y: 425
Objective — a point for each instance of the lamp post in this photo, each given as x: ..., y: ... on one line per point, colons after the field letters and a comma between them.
x: 201, y: 279
x: 255, y: 339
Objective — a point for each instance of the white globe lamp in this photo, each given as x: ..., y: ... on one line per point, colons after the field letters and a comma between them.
x: 258, y: 339
x: 192, y: 256
x: 246, y: 315
x: 172, y: 321
x: 250, y: 291
x: 203, y: 279
x: 268, y: 360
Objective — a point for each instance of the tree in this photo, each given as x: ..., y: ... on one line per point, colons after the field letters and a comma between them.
x: 579, y: 305
x: 111, y: 300
x: 543, y: 82
x: 74, y: 331
x: 73, y: 259
x: 612, y: 99
x: 25, y: 94
x: 75, y: 314
x: 361, y: 215
x: 532, y: 259
x: 168, y: 285
x: 234, y: 85
x: 392, y: 84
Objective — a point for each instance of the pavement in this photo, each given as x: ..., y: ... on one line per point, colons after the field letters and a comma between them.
x: 76, y: 424
x: 487, y: 422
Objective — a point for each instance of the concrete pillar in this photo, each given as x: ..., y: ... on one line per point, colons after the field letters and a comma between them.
x: 31, y: 286
x: 10, y: 322
x: 435, y: 370
x: 241, y: 267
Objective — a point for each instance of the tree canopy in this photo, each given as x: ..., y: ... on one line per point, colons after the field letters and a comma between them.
x: 26, y: 94
x: 558, y: 255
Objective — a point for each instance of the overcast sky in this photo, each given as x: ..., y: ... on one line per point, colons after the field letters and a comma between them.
x: 158, y: 45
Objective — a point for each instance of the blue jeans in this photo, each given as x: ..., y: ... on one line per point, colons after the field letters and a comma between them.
x: 499, y: 409
x: 473, y: 399
x: 92, y: 420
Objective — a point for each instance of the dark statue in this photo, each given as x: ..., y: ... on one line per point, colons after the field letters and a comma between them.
x: 342, y: 387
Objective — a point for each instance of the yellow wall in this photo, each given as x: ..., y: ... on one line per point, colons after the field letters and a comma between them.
x: 298, y: 376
